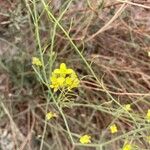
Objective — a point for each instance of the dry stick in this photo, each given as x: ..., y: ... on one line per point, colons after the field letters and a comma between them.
x: 105, y: 27
x: 116, y: 93
x: 12, y: 123
x: 28, y: 136
x: 135, y: 4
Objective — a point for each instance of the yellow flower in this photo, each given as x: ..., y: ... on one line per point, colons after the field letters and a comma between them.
x: 50, y: 115
x: 148, y: 115
x: 149, y: 54
x: 127, y: 147
x: 148, y: 139
x: 113, y: 128
x: 63, y: 70
x: 72, y: 82
x: 85, y: 139
x: 127, y: 107
x: 36, y: 61
x: 57, y: 83
x: 64, y: 78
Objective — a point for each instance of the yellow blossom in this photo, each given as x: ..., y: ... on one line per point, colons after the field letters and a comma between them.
x: 148, y: 139
x: 149, y: 54
x: 36, y: 61
x: 127, y: 147
x: 148, y: 115
x: 85, y: 139
x: 63, y: 70
x: 113, y: 128
x: 63, y: 78
x: 57, y: 83
x: 72, y: 81
x: 127, y: 107
x: 50, y: 115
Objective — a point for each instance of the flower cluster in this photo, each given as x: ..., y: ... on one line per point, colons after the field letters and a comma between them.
x: 64, y: 78
x: 127, y: 107
x: 36, y: 61
x: 127, y: 147
x: 148, y: 115
x: 50, y: 115
x: 113, y: 128
x: 85, y: 139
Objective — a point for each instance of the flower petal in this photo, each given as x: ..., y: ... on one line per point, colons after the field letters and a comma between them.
x: 63, y: 66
